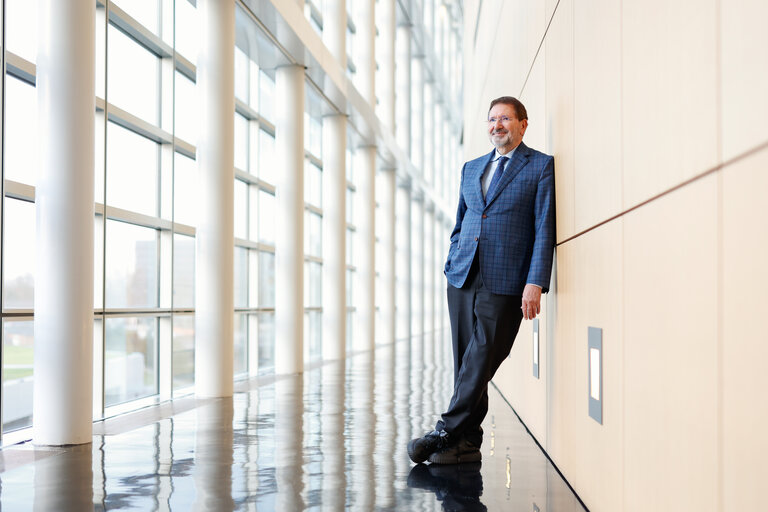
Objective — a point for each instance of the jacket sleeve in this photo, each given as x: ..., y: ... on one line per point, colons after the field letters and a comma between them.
x: 540, y: 270
x: 462, y: 208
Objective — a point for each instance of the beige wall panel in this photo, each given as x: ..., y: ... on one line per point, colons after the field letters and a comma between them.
x: 558, y: 47
x: 669, y: 95
x: 597, y: 112
x: 744, y: 327
x: 534, y: 99
x: 670, y: 351
x: 744, y: 75
x: 588, y: 453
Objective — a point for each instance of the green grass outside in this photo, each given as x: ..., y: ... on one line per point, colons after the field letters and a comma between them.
x: 13, y: 355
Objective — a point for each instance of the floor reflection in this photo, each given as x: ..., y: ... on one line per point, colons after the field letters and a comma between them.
x: 331, y: 439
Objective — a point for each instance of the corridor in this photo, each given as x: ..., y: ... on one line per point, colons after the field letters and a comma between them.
x: 331, y: 439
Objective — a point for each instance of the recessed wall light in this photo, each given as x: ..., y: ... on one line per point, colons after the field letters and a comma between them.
x: 595, y: 373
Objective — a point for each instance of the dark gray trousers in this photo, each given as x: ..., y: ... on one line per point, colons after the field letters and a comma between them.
x: 483, y: 329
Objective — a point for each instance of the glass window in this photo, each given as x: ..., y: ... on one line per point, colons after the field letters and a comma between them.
x: 313, y: 234
x: 241, y: 75
x: 183, y: 352
x: 313, y: 274
x: 267, y: 171
x: 131, y: 266
x: 132, y: 76
x: 350, y: 247
x: 21, y: 131
x: 187, y: 111
x: 266, y: 217
x: 253, y: 213
x: 132, y: 169
x: 187, y: 32
x: 266, y: 96
x: 266, y: 280
x: 183, y: 271
x: 313, y: 184
x: 18, y: 359
x: 19, y: 255
x: 241, y: 277
x: 241, y: 209
x: 241, y: 344
x: 21, y: 28
x: 312, y: 336
x: 130, y: 359
x: 350, y: 198
x: 144, y: 11
x: 185, y: 194
x: 241, y: 142
x: 266, y: 340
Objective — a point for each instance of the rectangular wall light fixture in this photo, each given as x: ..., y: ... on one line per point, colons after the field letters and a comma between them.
x: 536, y: 347
x: 595, y: 362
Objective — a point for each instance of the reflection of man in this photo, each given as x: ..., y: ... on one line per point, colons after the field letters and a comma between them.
x: 458, y: 487
x: 498, y: 265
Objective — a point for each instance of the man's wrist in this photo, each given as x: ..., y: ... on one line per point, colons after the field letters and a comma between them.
x: 536, y: 285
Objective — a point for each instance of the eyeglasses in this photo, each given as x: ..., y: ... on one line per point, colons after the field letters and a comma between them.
x: 503, y: 119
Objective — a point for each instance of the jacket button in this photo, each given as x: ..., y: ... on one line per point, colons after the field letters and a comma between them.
x: 475, y: 239
x: 485, y: 216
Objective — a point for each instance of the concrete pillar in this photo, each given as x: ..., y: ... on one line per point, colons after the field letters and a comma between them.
x: 386, y: 17
x: 214, y: 298
x: 403, y: 88
x: 335, y: 29
x: 365, y: 60
x: 366, y: 238
x: 63, y: 366
x: 387, y: 265
x: 334, y: 237
x: 403, y: 261
x: 289, y: 219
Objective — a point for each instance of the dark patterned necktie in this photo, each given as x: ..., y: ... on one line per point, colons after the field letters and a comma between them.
x: 496, y: 177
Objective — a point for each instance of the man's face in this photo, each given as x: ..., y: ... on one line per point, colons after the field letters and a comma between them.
x: 505, y: 135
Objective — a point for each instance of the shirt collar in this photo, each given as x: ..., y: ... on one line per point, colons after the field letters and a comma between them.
x: 497, y: 155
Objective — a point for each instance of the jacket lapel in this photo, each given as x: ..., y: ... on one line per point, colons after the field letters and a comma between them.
x: 519, y: 159
x: 476, y: 178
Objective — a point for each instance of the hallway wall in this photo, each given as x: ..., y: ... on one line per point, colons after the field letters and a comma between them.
x: 658, y: 120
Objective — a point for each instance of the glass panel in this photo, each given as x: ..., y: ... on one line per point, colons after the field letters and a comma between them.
x: 241, y: 142
x: 266, y: 340
x: 132, y: 167
x: 266, y: 217
x: 143, y: 11
x: 241, y: 75
x: 183, y: 352
x: 187, y: 33
x: 18, y: 382
x: 350, y: 296
x: 19, y: 255
x: 185, y: 190
x: 313, y: 284
x: 21, y: 131
x: 21, y: 28
x: 312, y: 335
x: 313, y: 184
x: 241, y: 277
x: 241, y: 209
x: 253, y: 213
x: 350, y: 198
x: 132, y: 76
x: 266, y: 280
x: 267, y: 170
x: 350, y: 247
x: 187, y: 112
x: 240, y: 348
x: 266, y: 96
x: 183, y: 271
x: 131, y: 266
x: 313, y: 234
x: 130, y: 359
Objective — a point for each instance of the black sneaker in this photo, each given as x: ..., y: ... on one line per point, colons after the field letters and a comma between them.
x: 421, y: 448
x: 457, y: 453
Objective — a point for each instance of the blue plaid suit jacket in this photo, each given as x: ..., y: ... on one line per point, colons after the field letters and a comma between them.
x: 512, y: 230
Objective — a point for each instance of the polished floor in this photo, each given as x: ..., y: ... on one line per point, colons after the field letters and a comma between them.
x: 331, y: 439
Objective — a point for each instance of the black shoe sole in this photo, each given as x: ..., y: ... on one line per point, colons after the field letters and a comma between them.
x: 444, y: 458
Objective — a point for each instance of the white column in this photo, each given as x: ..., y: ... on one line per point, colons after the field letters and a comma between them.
x: 214, y: 296
x: 429, y: 275
x: 403, y: 262
x: 366, y: 243
x: 386, y: 17
x: 335, y: 29
x: 417, y: 262
x: 63, y: 366
x: 334, y: 237
x: 387, y: 265
x: 417, y: 115
x: 289, y: 220
x: 429, y: 135
x: 403, y: 88
x: 365, y: 60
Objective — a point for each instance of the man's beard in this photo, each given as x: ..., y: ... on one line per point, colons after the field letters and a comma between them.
x: 501, y: 139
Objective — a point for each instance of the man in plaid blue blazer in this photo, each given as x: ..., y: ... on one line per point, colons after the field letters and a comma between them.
x: 498, y: 265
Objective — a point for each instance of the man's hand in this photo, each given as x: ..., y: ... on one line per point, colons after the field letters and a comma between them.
x: 531, y: 301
